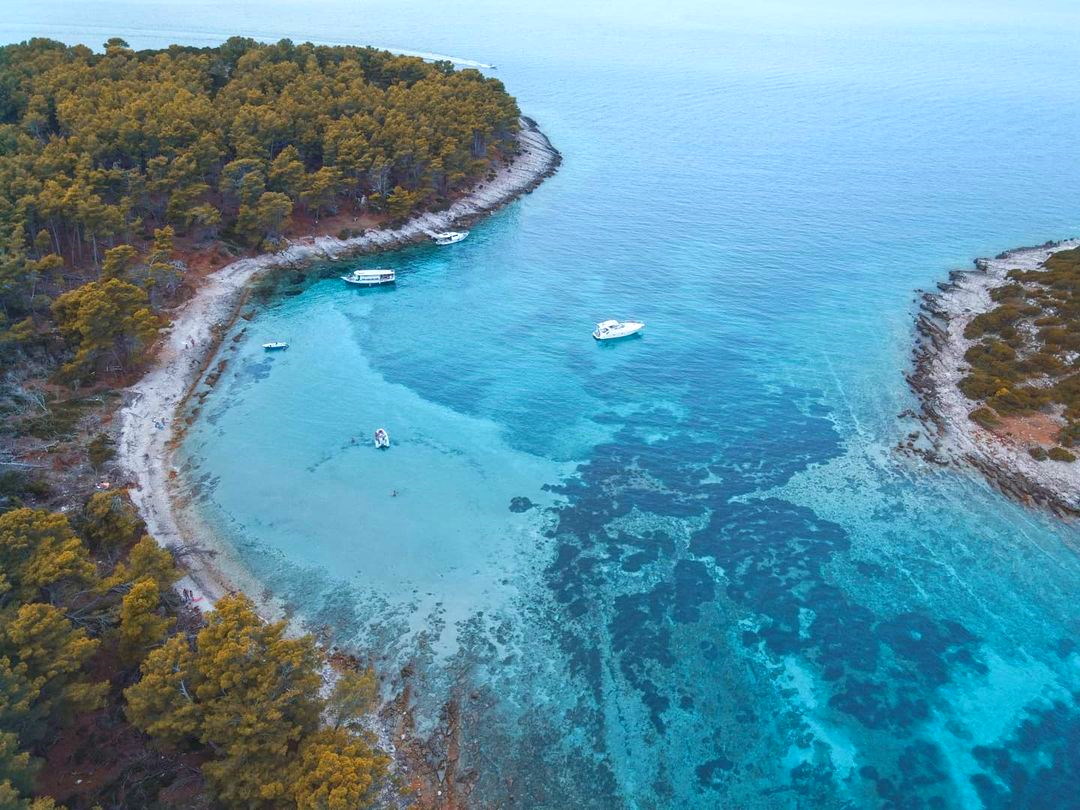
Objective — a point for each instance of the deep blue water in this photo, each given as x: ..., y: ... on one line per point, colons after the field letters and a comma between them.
x: 730, y: 591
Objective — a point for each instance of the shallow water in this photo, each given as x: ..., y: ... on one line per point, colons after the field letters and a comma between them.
x: 730, y: 590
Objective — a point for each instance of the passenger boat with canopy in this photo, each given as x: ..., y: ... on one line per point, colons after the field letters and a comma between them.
x: 371, y: 278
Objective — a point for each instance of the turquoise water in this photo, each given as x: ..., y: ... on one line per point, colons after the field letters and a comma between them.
x: 727, y: 588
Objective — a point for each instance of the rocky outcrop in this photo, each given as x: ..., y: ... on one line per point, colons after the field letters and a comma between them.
x: 939, y: 366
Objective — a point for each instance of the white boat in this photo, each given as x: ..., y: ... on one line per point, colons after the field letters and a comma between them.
x: 382, y: 438
x: 371, y: 278
x: 275, y: 344
x: 609, y: 330
x: 448, y: 237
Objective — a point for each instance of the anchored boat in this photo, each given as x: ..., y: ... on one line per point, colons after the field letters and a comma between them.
x: 448, y: 237
x: 609, y: 330
x: 371, y: 278
x: 275, y: 344
x: 382, y: 438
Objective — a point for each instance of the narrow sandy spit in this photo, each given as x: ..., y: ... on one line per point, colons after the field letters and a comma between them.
x: 145, y: 450
x: 940, y: 366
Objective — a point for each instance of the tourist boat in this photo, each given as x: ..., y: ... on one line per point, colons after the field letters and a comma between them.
x: 275, y: 344
x: 382, y: 438
x: 371, y: 278
x: 448, y: 237
x: 609, y: 330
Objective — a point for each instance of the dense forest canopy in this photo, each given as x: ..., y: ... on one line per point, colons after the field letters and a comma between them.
x: 99, y: 150
x: 135, y: 699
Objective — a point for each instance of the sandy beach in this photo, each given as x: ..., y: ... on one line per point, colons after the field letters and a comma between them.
x: 150, y: 414
x: 940, y: 366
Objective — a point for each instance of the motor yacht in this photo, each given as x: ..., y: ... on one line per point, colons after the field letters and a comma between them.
x: 448, y: 237
x: 609, y: 330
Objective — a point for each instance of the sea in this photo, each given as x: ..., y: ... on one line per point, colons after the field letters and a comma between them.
x: 694, y: 568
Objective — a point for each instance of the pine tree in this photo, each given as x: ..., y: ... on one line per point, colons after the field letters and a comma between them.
x: 146, y: 560
x: 118, y: 261
x: 110, y: 521
x: 142, y: 625
x: 39, y: 556
x: 244, y: 689
x: 353, y: 695
x: 105, y: 319
x: 17, y: 772
x: 337, y: 771
x: 50, y: 654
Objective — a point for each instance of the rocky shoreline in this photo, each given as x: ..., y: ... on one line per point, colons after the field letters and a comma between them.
x: 939, y: 366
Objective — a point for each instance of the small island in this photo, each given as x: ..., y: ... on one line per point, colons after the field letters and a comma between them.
x: 997, y: 369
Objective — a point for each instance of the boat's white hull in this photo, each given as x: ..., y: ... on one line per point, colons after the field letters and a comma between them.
x: 450, y: 238
x: 627, y: 329
x: 367, y: 283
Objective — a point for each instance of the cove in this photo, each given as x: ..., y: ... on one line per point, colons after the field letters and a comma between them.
x: 730, y: 590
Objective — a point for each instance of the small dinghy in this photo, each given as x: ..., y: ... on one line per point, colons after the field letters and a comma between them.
x: 449, y: 237
x: 275, y: 344
x: 609, y: 330
x: 382, y: 438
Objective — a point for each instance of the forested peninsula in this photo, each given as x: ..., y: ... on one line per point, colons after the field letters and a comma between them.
x: 140, y: 193
x: 997, y: 368
x: 112, y: 165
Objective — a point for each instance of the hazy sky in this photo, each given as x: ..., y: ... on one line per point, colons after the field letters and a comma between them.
x: 144, y: 23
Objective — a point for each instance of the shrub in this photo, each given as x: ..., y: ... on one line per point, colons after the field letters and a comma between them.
x: 1050, y: 320
x: 1061, y: 454
x: 110, y: 521
x: 16, y: 486
x: 1066, y: 261
x: 1060, y: 337
x: 100, y: 451
x: 979, y: 386
x: 1019, y: 400
x: 1037, y: 453
x: 59, y: 422
x: 995, y: 358
x: 1007, y: 292
x: 1070, y: 434
x: 1001, y: 320
x: 1043, y: 363
x: 1067, y: 391
x: 984, y: 417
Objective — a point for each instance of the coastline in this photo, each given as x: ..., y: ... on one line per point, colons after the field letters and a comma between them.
x: 187, y: 350
x: 939, y: 366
